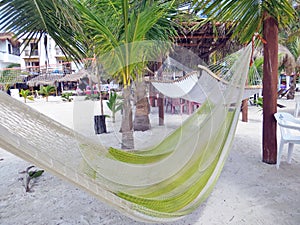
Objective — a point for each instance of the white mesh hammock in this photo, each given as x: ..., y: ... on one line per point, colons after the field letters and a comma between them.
x: 196, y: 85
x: 161, y: 183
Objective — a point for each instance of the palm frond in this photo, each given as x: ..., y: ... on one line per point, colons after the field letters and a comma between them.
x: 247, y: 16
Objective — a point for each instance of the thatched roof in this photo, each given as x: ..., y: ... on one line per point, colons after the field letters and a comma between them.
x: 50, y: 79
x: 43, y: 80
x: 286, y: 59
x: 74, y: 77
x: 205, y: 39
x: 11, y: 37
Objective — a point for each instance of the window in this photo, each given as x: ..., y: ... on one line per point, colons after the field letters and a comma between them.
x: 34, y: 49
x: 9, y: 48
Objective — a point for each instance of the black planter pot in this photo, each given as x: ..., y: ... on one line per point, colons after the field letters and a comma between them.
x: 99, y: 124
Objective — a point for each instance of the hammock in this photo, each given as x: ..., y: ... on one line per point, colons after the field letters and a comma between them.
x: 196, y: 85
x: 158, y: 184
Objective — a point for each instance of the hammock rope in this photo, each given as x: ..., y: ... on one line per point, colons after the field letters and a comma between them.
x: 161, y: 183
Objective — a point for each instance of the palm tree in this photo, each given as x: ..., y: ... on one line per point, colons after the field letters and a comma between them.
x: 46, y: 91
x: 26, y: 95
x: 264, y: 17
x: 117, y: 30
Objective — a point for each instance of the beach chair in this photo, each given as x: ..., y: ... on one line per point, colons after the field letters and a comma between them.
x: 37, y: 95
x: 297, y: 105
x: 290, y: 133
x: 282, y: 92
x: 175, y: 103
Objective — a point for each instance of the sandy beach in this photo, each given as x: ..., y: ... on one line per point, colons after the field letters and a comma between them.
x: 247, y: 192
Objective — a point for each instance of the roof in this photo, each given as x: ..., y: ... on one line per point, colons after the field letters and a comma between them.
x: 74, y: 77
x: 9, y: 36
x: 43, y: 80
x: 50, y: 79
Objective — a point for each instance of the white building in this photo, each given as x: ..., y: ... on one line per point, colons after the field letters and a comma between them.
x: 9, y: 50
x: 34, y: 57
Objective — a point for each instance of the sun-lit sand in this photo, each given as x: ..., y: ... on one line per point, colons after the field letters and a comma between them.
x: 247, y: 192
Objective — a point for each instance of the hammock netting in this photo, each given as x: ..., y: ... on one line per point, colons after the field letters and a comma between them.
x: 160, y: 183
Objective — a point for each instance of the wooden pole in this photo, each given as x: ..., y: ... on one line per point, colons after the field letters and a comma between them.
x: 245, y: 110
x: 160, y: 100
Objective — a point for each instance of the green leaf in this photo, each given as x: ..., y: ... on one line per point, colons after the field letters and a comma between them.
x: 35, y: 174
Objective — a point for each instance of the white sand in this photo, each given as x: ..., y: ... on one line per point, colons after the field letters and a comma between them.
x: 248, y: 191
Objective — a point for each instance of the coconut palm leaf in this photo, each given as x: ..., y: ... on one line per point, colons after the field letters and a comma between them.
x: 247, y: 16
x: 128, y: 22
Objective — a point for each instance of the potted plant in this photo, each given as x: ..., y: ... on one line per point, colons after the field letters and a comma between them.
x: 114, y: 104
x: 99, y: 120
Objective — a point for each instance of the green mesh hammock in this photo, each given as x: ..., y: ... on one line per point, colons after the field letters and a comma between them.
x: 161, y: 183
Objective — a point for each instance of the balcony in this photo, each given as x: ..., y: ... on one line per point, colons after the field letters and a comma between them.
x: 9, y: 58
x: 34, y: 53
x: 59, y: 52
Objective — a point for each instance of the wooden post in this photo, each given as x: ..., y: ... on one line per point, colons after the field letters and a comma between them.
x: 245, y: 110
x: 161, y: 114
x: 160, y: 100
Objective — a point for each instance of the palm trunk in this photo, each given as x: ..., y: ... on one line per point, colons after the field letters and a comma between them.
x: 270, y: 80
x: 126, y: 127
x: 141, y: 119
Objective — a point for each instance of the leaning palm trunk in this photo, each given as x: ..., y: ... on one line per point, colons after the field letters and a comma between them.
x: 141, y: 119
x: 126, y: 127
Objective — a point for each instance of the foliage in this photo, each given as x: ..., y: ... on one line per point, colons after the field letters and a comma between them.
x: 46, y: 91
x: 66, y: 96
x: 112, y: 25
x: 114, y: 104
x: 246, y: 16
x: 259, y: 102
x: 29, y: 175
x: 26, y: 95
x: 93, y: 97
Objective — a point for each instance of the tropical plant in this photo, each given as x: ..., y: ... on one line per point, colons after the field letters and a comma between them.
x: 26, y: 95
x: 114, y: 103
x: 29, y: 175
x: 93, y: 97
x: 66, y: 97
x: 265, y: 18
x: 46, y: 91
x: 116, y: 29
